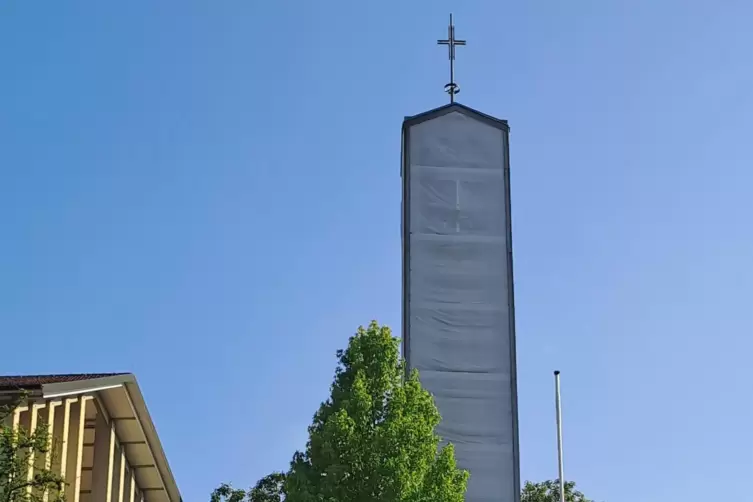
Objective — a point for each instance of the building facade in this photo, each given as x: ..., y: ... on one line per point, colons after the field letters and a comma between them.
x: 104, y: 444
x: 458, y: 310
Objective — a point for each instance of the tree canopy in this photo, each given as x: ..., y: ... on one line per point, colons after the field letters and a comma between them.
x: 373, y: 440
x: 549, y: 491
x: 21, y: 450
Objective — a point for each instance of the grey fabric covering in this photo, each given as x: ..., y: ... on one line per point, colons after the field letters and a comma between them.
x: 459, y: 308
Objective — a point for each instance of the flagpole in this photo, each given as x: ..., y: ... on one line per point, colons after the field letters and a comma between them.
x: 558, y: 406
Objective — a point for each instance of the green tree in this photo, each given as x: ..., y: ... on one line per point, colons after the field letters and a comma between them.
x: 268, y: 489
x: 549, y: 491
x: 373, y: 440
x: 19, y: 450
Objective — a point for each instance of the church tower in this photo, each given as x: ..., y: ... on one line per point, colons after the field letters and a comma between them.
x: 458, y: 303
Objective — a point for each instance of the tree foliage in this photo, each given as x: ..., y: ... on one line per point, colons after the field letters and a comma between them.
x: 372, y: 440
x: 268, y: 489
x: 549, y: 491
x: 21, y: 450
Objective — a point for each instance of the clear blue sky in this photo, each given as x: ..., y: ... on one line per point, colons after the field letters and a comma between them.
x: 207, y: 194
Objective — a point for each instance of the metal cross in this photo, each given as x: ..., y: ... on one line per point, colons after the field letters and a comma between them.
x: 452, y: 88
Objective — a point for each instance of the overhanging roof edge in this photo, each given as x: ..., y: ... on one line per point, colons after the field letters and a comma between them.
x: 137, y: 399
x: 50, y: 390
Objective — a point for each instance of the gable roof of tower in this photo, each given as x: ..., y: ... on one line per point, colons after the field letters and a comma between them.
x: 455, y: 107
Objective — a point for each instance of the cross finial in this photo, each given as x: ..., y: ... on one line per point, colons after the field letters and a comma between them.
x: 452, y: 88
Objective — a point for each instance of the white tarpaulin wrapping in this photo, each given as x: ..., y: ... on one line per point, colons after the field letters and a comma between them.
x: 458, y: 300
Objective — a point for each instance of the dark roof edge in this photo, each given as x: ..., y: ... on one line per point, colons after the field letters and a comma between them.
x: 37, y: 382
x: 455, y: 107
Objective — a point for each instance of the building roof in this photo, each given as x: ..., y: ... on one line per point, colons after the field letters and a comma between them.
x: 123, y: 402
x: 455, y: 107
x: 35, y: 382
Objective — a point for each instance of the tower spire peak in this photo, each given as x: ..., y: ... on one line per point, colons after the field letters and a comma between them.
x: 451, y: 88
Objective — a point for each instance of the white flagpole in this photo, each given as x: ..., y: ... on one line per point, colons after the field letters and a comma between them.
x: 558, y: 405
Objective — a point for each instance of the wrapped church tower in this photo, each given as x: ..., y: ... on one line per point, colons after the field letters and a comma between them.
x: 458, y: 304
